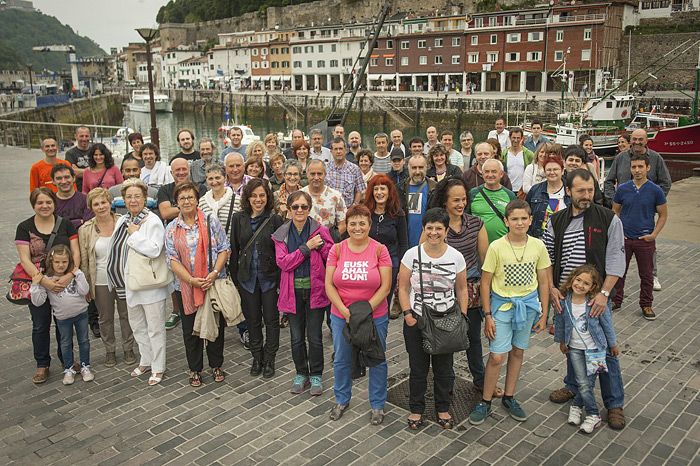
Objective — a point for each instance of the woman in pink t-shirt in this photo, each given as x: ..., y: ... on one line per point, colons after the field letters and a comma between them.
x: 358, y: 269
x: 102, y: 173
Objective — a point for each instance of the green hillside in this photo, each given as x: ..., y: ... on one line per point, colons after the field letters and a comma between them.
x: 191, y: 11
x: 22, y: 30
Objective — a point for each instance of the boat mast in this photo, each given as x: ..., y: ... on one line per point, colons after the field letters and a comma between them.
x: 694, y: 111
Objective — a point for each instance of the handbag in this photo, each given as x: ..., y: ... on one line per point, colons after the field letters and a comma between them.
x: 20, y: 281
x: 223, y: 295
x: 246, y: 250
x: 146, y: 273
x: 443, y: 332
x: 595, y: 358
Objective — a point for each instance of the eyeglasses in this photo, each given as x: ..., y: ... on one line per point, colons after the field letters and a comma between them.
x: 184, y: 199
x: 302, y: 207
x: 134, y: 197
x: 291, y: 174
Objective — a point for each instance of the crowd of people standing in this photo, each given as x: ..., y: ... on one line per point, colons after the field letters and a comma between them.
x: 506, y: 234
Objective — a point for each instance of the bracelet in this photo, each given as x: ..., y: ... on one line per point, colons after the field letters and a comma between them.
x: 487, y: 314
x: 408, y: 312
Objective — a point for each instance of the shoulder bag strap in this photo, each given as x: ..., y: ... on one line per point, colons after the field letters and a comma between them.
x: 99, y: 183
x: 408, y: 190
x: 420, y: 272
x: 490, y: 203
x: 54, y: 232
x: 230, y: 212
x: 257, y: 232
x: 211, y: 264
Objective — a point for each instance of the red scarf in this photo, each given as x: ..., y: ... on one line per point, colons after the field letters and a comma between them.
x: 193, y: 297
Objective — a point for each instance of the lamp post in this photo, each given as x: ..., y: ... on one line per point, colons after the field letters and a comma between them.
x: 31, y: 82
x: 149, y: 35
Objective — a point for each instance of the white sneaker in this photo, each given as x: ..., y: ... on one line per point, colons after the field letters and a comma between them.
x: 657, y: 284
x: 590, y: 424
x: 68, y: 377
x: 87, y: 374
x: 575, y: 414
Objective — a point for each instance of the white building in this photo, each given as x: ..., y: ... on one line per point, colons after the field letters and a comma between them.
x: 193, y: 72
x: 170, y: 63
x: 229, y: 61
x: 664, y: 8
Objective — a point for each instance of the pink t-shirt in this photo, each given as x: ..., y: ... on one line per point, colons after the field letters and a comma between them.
x: 356, y: 275
x: 111, y: 178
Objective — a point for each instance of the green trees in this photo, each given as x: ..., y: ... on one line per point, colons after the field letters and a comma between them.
x: 189, y: 11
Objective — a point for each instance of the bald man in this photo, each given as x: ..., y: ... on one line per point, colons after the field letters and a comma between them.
x: 40, y: 173
x: 489, y: 201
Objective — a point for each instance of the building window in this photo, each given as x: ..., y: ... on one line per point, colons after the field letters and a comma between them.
x: 320, y: 49
x: 275, y: 64
x: 475, y: 40
x: 390, y: 44
x: 296, y: 49
x: 534, y: 56
x: 421, y: 44
x: 492, y: 57
x: 438, y: 59
x: 560, y: 36
x: 263, y: 52
x: 254, y: 52
x: 404, y: 61
x: 297, y: 64
x: 309, y: 64
x: 211, y: 67
x: 513, y: 38
x: 301, y: 34
x: 586, y: 55
x: 264, y: 64
x: 404, y: 45
x: 456, y: 41
x: 478, y: 22
x: 474, y: 57
x: 587, y: 33
x: 373, y: 61
x: 309, y: 49
x: 558, y: 55
x: 285, y: 49
x: 273, y: 51
x: 513, y: 56
x: 389, y: 62
x: 321, y: 64
x: 493, y: 21
x: 285, y: 64
x: 347, y: 61
x: 334, y: 64
x: 423, y: 60
x: 438, y: 42
x: 534, y: 36
x: 494, y: 39
x: 256, y: 65
x: 333, y: 47
x: 455, y: 59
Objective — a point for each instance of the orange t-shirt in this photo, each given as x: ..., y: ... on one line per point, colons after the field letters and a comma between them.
x: 40, y: 175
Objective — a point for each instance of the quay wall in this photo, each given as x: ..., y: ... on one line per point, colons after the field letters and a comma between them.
x: 105, y: 109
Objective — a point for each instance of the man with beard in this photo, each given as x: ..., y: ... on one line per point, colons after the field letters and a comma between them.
x: 185, y: 139
x: 77, y: 155
x: 72, y: 204
x: 413, y: 195
x: 586, y: 233
x: 354, y: 146
x: 198, y: 167
x: 489, y: 201
x: 474, y: 177
x: 573, y: 159
x: 619, y: 172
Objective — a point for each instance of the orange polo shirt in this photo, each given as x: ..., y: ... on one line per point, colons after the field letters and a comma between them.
x: 40, y: 175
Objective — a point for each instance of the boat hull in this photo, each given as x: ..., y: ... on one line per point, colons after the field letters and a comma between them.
x: 682, y: 142
x: 161, y: 107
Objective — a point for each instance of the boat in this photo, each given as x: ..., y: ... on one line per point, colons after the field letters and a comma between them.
x: 140, y: 102
x: 248, y: 134
x: 681, y: 142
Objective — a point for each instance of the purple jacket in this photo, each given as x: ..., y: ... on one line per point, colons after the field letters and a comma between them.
x: 289, y: 262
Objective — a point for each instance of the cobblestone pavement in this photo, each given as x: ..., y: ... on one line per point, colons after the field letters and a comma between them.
x: 245, y: 420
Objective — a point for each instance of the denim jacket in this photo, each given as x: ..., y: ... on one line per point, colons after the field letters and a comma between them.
x: 601, y: 329
x: 538, y: 198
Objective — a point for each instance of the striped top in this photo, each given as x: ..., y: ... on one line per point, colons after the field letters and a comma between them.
x: 573, y: 246
x: 381, y: 165
x: 464, y: 241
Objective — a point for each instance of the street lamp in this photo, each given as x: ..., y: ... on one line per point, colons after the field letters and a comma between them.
x: 149, y: 35
x: 31, y: 82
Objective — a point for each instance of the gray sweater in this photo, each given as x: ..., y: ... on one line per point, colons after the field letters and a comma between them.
x: 619, y: 172
x: 69, y: 302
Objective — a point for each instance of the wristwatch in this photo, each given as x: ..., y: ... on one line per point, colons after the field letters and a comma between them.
x: 605, y: 293
x: 408, y: 312
x: 486, y: 314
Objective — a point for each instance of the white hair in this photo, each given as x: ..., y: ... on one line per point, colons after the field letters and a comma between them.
x: 500, y: 164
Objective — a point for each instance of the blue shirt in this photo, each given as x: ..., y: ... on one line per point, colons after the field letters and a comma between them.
x: 416, y: 206
x: 638, y: 207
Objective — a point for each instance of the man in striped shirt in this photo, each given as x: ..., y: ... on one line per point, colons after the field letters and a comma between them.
x: 382, y: 160
x: 588, y: 233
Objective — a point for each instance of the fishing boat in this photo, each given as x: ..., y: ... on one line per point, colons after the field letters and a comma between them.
x: 140, y: 102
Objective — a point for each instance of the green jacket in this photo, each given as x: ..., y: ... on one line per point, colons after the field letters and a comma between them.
x: 528, y: 157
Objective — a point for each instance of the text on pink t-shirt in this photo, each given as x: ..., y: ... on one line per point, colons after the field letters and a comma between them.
x: 357, y: 276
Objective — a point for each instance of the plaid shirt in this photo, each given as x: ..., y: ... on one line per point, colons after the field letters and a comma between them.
x: 347, y: 179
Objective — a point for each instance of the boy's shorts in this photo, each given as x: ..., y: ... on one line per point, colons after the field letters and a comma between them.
x: 506, y: 337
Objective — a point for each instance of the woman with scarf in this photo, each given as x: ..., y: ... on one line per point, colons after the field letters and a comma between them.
x: 218, y: 200
x: 255, y: 272
x: 292, y: 176
x: 154, y: 172
x: 141, y: 230
x: 365, y: 159
x: 191, y: 241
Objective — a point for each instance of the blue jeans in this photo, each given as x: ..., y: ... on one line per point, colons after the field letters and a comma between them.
x: 80, y: 322
x: 342, y: 365
x: 584, y: 397
x: 306, y: 326
x: 611, y: 386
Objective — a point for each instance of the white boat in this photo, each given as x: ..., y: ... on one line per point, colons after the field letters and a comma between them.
x: 248, y: 134
x: 140, y: 103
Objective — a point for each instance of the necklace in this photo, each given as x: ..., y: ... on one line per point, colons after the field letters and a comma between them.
x: 513, y: 250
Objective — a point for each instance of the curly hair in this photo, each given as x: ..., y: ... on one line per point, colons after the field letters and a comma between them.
x: 248, y: 189
x: 438, y: 198
x: 393, y: 206
x: 585, y: 268
x: 109, y: 160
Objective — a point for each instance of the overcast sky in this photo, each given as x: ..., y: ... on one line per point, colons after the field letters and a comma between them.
x: 110, y: 23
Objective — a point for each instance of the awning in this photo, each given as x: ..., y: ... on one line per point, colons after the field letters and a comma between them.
x: 374, y: 56
x: 388, y: 55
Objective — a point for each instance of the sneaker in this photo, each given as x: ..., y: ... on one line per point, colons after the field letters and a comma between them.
x: 575, y: 413
x: 68, y: 377
x: 172, y: 321
x: 657, y: 284
x: 590, y: 424
x: 316, y: 385
x: 514, y: 409
x: 87, y: 374
x: 337, y: 411
x: 110, y: 360
x: 648, y: 313
x: 377, y: 417
x: 245, y: 339
x: 129, y: 357
x: 299, y: 384
x: 480, y: 413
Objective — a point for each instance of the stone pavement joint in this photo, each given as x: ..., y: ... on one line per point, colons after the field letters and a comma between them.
x: 117, y: 419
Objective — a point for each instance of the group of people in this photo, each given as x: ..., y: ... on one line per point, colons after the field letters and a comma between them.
x: 509, y: 232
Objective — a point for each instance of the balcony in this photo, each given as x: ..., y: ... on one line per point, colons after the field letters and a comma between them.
x: 555, y: 19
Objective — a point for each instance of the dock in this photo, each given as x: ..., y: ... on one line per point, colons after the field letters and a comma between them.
x: 245, y: 420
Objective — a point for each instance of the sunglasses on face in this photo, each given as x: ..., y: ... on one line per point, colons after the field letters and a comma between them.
x: 302, y: 207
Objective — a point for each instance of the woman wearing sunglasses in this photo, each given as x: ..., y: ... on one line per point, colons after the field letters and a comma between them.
x: 301, y: 249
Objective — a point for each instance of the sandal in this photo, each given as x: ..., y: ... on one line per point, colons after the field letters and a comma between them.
x: 415, y: 424
x: 155, y: 379
x: 218, y: 374
x: 445, y: 423
x: 195, y: 379
x: 138, y: 371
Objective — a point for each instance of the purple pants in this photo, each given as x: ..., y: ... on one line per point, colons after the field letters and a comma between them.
x: 643, y: 251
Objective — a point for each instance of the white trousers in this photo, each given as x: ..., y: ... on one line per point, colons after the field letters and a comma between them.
x: 147, y: 321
